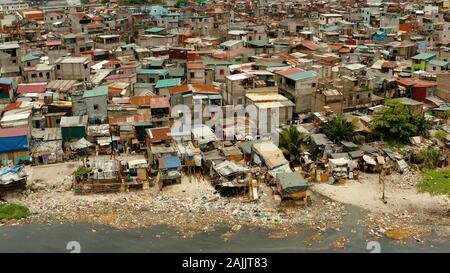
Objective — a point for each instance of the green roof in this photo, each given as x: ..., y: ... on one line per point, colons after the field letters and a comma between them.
x: 258, y: 43
x: 176, y: 72
x: 302, y: 75
x: 29, y: 58
x: 151, y: 71
x: 154, y: 29
x: 439, y: 63
x: 157, y: 63
x: 424, y: 56
x: 99, y: 91
x: 168, y: 83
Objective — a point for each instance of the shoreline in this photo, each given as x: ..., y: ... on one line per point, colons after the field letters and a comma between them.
x: 194, y: 206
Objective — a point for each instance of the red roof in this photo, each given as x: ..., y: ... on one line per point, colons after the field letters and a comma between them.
x: 416, y: 83
x: 310, y: 45
x: 13, y: 132
x: 336, y: 47
x: 159, y: 102
x: 32, y: 88
x: 12, y: 106
x: 345, y: 50
x: 160, y: 134
x: 289, y: 72
x: 179, y: 89
x: 203, y: 88
x: 140, y: 100
x: 53, y: 43
x: 195, y: 65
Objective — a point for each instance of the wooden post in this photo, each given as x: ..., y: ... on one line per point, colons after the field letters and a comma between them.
x: 382, y: 172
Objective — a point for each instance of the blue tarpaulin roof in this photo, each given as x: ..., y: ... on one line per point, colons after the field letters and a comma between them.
x: 5, y: 81
x: 170, y: 162
x: 13, y: 169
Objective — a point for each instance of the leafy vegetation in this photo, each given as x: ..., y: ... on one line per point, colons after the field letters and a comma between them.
x: 291, y: 143
x: 339, y: 129
x: 435, y: 181
x: 440, y: 134
x: 396, y: 124
x: 359, y: 139
x: 13, y: 211
x: 431, y: 157
x: 81, y: 172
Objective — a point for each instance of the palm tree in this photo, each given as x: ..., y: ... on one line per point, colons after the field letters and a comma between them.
x: 291, y: 141
x: 339, y: 129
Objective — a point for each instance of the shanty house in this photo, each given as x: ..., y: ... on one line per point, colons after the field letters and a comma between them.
x: 49, y: 150
x: 73, y: 127
x: 14, y: 145
x: 170, y: 170
x: 291, y: 185
x: 267, y: 153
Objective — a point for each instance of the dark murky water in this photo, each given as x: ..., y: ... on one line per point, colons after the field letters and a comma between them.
x: 54, y: 238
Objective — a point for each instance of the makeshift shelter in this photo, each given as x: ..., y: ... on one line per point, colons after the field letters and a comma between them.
x: 340, y: 168
x: 73, y: 127
x: 232, y: 153
x: 268, y: 154
x: 12, y: 178
x: 81, y: 144
x: 14, y: 145
x: 229, y: 177
x: 291, y: 185
x: 45, y: 152
x: 170, y: 170
x: 202, y: 135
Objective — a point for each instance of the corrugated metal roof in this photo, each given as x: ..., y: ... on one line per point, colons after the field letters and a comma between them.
x: 32, y: 88
x: 168, y: 83
x: 13, y: 132
x: 99, y: 91
x: 152, y: 71
x: 159, y: 134
x: 159, y: 102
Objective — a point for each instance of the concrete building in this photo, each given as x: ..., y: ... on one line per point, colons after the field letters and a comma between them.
x: 73, y: 68
x: 97, y: 104
x: 327, y: 19
x: 298, y: 86
x: 329, y: 97
x: 201, y: 24
x: 238, y: 85
x: 9, y: 6
x: 79, y: 22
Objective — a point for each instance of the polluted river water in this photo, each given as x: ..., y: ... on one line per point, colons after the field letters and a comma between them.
x: 160, y: 238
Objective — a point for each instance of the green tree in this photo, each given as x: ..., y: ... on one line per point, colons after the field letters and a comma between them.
x: 339, y: 129
x: 441, y: 135
x: 394, y: 122
x: 422, y: 124
x: 291, y: 143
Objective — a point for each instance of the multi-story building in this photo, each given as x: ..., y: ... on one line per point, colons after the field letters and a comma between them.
x: 298, y: 85
x: 73, y: 68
